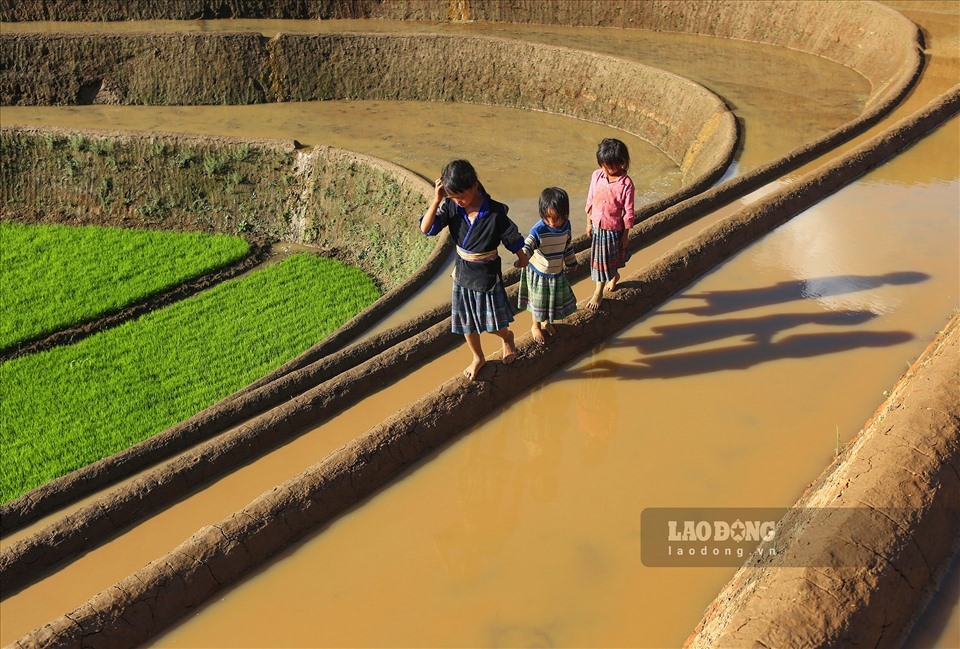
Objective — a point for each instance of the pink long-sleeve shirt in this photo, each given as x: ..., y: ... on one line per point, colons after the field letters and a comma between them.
x: 610, y: 203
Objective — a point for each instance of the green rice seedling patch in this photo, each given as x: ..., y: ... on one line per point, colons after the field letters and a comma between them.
x: 56, y: 276
x: 73, y: 405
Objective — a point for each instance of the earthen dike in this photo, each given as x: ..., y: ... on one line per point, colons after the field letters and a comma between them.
x: 687, y: 122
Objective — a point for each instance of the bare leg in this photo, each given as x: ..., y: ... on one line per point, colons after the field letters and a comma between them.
x: 612, y: 284
x: 537, y: 333
x: 509, y: 349
x: 473, y: 342
x: 597, y: 298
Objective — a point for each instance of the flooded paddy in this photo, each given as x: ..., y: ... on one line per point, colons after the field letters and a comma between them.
x: 525, y: 531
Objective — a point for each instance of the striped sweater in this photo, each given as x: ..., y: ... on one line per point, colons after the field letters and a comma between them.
x: 549, y: 249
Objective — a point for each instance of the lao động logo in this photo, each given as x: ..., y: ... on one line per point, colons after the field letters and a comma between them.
x: 707, y: 537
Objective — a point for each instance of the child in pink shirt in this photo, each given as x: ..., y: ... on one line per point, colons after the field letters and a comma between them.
x: 609, y: 217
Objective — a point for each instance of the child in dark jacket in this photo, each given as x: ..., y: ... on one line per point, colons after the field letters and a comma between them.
x: 479, y: 225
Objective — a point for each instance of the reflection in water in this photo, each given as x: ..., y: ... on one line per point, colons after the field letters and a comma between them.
x: 489, y: 508
x: 542, y: 438
x: 598, y: 413
x: 511, y: 637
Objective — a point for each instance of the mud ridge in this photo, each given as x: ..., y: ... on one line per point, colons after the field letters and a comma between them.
x: 221, y: 554
x: 868, y: 542
x: 866, y: 36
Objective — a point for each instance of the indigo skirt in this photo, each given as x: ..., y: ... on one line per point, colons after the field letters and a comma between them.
x: 477, y: 312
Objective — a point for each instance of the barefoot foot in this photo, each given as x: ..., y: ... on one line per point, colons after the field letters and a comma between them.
x: 594, y: 302
x: 612, y: 284
x: 549, y: 328
x: 509, y: 349
x: 537, y: 334
x: 474, y: 368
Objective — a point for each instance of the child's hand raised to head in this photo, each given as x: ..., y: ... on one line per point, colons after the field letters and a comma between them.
x: 521, y: 261
x: 441, y: 193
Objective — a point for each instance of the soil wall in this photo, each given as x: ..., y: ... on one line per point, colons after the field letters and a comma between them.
x: 870, y: 538
x: 873, y: 39
x: 687, y: 122
x: 264, y: 190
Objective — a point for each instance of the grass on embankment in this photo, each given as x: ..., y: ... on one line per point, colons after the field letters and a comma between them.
x: 58, y: 276
x: 70, y: 406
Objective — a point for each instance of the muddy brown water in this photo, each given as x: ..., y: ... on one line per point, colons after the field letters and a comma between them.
x: 525, y: 531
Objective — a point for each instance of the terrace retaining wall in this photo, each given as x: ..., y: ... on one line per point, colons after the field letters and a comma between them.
x: 684, y: 120
x: 873, y: 39
x: 261, y: 189
x: 870, y: 539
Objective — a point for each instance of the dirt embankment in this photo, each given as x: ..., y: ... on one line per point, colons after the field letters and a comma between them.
x: 870, y: 539
x: 264, y: 190
x: 867, y: 36
x: 688, y: 123
x: 17, y: 10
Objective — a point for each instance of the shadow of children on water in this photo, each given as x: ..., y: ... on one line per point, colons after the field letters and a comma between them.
x: 721, y: 302
x: 741, y: 357
x: 760, y: 329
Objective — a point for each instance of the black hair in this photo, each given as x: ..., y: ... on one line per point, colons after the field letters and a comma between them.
x: 613, y: 153
x: 554, y: 199
x: 459, y: 176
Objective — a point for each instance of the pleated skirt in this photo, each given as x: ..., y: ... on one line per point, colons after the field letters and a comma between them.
x: 606, y: 257
x: 548, y: 297
x: 478, y: 312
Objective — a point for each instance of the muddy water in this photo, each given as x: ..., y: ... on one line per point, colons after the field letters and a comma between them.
x: 525, y: 531
x: 522, y: 154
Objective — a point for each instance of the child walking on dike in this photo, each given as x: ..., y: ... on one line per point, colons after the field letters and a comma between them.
x: 479, y: 225
x: 609, y: 217
x: 544, y: 289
